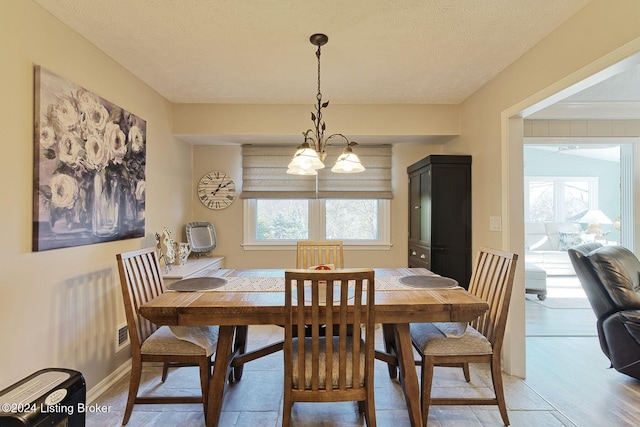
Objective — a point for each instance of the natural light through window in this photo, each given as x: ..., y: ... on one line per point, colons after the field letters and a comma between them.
x: 559, y: 199
x: 281, y: 222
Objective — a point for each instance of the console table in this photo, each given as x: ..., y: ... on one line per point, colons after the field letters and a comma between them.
x: 195, y: 267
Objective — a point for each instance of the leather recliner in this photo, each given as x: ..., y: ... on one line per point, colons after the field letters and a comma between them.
x: 610, y: 276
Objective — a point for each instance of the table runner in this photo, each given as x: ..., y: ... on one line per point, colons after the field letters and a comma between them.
x: 246, y: 283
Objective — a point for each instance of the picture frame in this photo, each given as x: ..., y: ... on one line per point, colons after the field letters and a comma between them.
x: 89, y: 167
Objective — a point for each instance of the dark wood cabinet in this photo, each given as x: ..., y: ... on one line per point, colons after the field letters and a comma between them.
x: 440, y: 216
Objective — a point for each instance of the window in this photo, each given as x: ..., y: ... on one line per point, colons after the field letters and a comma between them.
x: 559, y: 199
x: 282, y: 222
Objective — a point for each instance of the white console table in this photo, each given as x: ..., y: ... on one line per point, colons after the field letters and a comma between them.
x: 195, y: 267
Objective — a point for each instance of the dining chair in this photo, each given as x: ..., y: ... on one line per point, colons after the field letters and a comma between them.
x: 492, y: 281
x: 309, y: 253
x: 336, y: 368
x: 317, y: 252
x: 141, y: 281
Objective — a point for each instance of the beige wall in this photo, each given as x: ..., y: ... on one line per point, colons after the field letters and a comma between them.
x: 234, y: 119
x: 60, y: 307
x: 228, y: 222
x: 557, y: 62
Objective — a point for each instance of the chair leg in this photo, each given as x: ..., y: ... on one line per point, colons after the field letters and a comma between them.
x: 465, y: 370
x: 205, y: 377
x: 239, y: 347
x: 165, y: 371
x: 496, y: 377
x: 388, y: 335
x: 427, y: 380
x: 286, y: 409
x: 134, y: 384
x: 370, y: 409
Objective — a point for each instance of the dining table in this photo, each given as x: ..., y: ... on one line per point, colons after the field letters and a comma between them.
x: 256, y: 297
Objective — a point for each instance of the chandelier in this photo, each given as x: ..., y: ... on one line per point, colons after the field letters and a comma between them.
x: 310, y: 156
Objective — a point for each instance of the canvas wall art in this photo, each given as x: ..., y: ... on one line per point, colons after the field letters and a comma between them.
x: 89, y: 167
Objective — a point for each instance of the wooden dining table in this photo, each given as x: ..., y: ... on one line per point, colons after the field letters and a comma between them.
x: 256, y: 297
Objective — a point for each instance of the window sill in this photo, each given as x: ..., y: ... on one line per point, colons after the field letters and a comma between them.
x: 287, y: 246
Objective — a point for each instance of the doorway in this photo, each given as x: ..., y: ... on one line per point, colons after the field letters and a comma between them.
x: 573, y: 194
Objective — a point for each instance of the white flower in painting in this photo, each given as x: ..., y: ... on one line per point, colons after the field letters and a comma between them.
x: 136, y: 139
x: 141, y: 189
x: 116, y: 141
x: 85, y: 99
x: 97, y: 153
x: 47, y: 137
x: 95, y: 117
x: 65, y: 115
x: 69, y: 149
x: 64, y: 191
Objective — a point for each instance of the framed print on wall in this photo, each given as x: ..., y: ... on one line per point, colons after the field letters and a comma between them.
x: 89, y: 167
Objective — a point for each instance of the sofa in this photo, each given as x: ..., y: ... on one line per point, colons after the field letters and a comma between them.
x: 546, y: 245
x: 610, y: 276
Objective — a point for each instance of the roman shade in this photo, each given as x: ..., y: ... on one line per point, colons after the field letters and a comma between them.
x: 264, y: 175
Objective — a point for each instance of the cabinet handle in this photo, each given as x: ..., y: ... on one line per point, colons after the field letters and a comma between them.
x: 413, y: 253
x: 423, y: 256
x: 416, y: 207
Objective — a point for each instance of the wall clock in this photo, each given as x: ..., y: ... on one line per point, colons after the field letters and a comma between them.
x: 216, y: 190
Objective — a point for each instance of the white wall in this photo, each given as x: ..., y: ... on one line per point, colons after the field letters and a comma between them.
x: 60, y: 308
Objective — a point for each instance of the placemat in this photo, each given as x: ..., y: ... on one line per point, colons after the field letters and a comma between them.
x: 197, y: 284
x: 433, y: 282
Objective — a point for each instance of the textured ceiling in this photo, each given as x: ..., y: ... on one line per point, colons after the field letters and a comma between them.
x: 258, y: 51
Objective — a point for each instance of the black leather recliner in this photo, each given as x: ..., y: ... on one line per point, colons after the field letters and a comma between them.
x: 610, y: 276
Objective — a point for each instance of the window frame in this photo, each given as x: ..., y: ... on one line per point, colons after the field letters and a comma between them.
x: 558, y: 184
x: 316, y: 228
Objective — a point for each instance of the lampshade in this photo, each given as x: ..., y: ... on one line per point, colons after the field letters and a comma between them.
x: 348, y: 162
x: 594, y: 216
x: 305, y: 161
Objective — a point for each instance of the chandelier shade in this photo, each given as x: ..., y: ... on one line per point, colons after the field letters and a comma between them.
x: 310, y: 156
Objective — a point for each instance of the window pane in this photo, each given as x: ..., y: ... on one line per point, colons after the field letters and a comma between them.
x: 351, y: 219
x: 576, y: 198
x: 282, y: 219
x: 541, y: 201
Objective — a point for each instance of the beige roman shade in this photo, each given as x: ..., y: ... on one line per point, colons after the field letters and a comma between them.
x: 264, y: 175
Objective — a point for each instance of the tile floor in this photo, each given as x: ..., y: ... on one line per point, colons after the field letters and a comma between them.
x: 568, y: 383
x: 257, y: 399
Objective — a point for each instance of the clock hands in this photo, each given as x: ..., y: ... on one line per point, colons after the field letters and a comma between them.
x: 220, y: 187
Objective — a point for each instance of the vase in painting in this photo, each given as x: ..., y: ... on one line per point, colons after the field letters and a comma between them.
x: 106, y: 204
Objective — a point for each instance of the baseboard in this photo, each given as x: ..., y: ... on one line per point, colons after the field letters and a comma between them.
x: 108, y: 382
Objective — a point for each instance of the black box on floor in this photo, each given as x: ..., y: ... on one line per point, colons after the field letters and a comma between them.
x: 50, y: 397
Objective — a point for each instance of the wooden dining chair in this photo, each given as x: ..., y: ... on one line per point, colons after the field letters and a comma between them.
x: 329, y: 369
x: 316, y: 252
x: 141, y: 281
x: 492, y: 281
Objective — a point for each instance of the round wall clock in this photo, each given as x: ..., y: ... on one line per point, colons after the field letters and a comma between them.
x: 216, y: 190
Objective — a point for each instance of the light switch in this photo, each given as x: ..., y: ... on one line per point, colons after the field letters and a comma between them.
x: 495, y: 223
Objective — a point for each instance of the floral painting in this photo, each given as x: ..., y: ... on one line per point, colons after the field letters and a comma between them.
x: 89, y: 167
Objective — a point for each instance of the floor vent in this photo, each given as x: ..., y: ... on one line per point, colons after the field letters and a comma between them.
x: 122, y: 336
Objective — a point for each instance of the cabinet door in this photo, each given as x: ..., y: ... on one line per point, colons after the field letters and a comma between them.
x: 450, y: 208
x: 426, y: 207
x: 414, y: 207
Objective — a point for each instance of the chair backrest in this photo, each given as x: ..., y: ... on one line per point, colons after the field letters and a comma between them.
x: 597, y: 295
x: 618, y: 273
x: 492, y: 280
x: 310, y: 299
x: 141, y: 281
x: 315, y: 252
